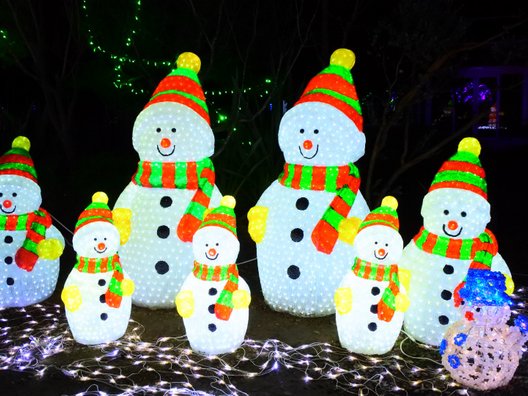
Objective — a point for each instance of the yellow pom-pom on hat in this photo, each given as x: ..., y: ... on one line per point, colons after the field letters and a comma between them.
x: 98, y: 210
x: 189, y: 60
x: 470, y: 145
x: 222, y: 216
x: 343, y: 57
x: 384, y: 215
x: 21, y: 142
x: 100, y: 197
x: 17, y: 161
x: 228, y: 201
x: 390, y: 201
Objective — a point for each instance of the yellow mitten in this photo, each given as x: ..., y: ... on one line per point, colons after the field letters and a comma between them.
x: 123, y: 222
x: 343, y: 300
x: 402, y: 302
x: 127, y: 286
x: 405, y: 278
x: 348, y: 229
x: 257, y: 217
x: 510, y: 286
x: 71, y: 296
x: 241, y: 299
x: 185, y: 303
x: 49, y: 249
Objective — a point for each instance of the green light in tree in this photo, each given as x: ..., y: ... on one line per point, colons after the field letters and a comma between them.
x: 222, y: 118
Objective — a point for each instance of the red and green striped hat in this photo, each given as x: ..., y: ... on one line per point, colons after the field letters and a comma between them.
x: 463, y: 170
x: 222, y: 216
x: 17, y: 161
x: 182, y: 86
x: 335, y: 86
x: 98, y: 210
x: 384, y: 215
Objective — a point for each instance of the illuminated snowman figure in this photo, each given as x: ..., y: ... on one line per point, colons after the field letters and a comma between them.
x: 302, y: 219
x: 214, y: 299
x: 455, y: 213
x: 481, y: 350
x: 30, y: 245
x: 97, y: 291
x: 371, y: 300
x: 173, y: 186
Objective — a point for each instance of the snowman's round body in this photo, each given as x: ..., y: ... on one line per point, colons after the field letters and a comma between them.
x: 434, y: 277
x: 206, y: 331
x: 19, y: 287
x: 95, y: 321
x: 295, y: 276
x: 360, y: 330
x: 155, y: 257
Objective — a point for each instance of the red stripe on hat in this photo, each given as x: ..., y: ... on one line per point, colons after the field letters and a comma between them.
x: 87, y: 222
x: 348, y: 110
x: 106, y: 213
x: 168, y: 172
x: 17, y: 172
x: 332, y: 82
x: 224, y: 218
x: 172, y: 97
x: 318, y: 178
x: 16, y: 158
x: 461, y: 185
x: 296, y: 181
x: 392, y: 220
x: 180, y: 83
x: 462, y: 166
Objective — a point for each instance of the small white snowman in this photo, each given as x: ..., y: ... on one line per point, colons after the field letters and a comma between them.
x: 371, y: 298
x: 301, y: 221
x: 173, y: 186
x: 97, y: 292
x: 30, y: 245
x: 214, y: 299
x: 455, y: 213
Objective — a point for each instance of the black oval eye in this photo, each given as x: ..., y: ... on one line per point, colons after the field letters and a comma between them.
x: 386, y: 244
x: 446, y: 212
x: 1, y: 194
x: 302, y: 130
x: 206, y: 245
x: 105, y: 238
x: 14, y: 194
x: 95, y: 239
x: 217, y: 244
x: 316, y: 131
x: 463, y: 214
x: 158, y: 129
x: 477, y: 309
x: 173, y: 129
x: 375, y: 242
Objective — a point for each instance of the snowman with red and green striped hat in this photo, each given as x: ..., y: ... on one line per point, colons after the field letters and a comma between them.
x: 30, y: 245
x: 453, y: 239
x: 173, y: 186
x: 97, y: 292
x: 214, y: 299
x: 304, y: 222
x: 371, y: 298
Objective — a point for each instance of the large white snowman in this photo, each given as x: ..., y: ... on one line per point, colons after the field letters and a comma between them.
x: 97, y: 291
x: 455, y: 213
x: 30, y: 245
x: 371, y: 298
x: 298, y: 220
x: 214, y: 299
x: 173, y: 186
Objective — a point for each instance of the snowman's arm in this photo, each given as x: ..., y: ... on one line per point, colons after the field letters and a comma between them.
x: 185, y: 303
x: 498, y: 264
x: 241, y: 299
x: 343, y: 300
x: 52, y: 247
x: 402, y: 300
x: 71, y: 296
x: 348, y: 227
x: 258, y: 215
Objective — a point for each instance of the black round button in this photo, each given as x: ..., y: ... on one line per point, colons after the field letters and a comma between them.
x: 448, y: 269
x: 101, y: 282
x: 374, y: 308
x: 375, y: 291
x: 302, y: 203
x: 212, y: 327
x: 102, y: 298
x: 211, y: 308
x: 8, y: 239
x: 446, y: 295
x: 161, y: 267
x: 212, y: 291
x: 165, y: 201
x: 293, y: 272
x: 297, y: 235
x: 10, y: 281
x: 163, y: 231
x: 372, y: 326
x: 443, y: 320
x: 8, y: 260
x: 104, y: 316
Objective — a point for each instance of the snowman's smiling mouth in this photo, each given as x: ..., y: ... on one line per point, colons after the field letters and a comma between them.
x: 100, y: 251
x: 451, y: 235
x: 380, y: 257
x: 308, y: 157
x: 166, y: 154
x: 212, y: 257
x: 6, y: 211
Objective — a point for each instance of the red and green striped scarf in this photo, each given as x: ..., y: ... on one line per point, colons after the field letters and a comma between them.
x: 480, y: 251
x: 381, y: 273
x: 229, y: 272
x: 342, y: 180
x: 90, y: 265
x: 199, y: 176
x: 36, y: 225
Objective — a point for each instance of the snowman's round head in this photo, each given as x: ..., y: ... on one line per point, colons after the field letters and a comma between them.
x: 318, y: 134
x: 213, y: 245
x: 379, y: 244
x: 455, y: 213
x: 96, y: 240
x: 174, y: 126
x: 18, y: 195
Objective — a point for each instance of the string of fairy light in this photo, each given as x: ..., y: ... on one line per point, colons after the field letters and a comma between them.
x: 36, y: 339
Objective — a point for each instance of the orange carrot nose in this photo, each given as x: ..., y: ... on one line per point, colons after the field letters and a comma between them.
x: 381, y: 252
x: 452, y: 225
x: 308, y: 144
x: 101, y: 246
x: 7, y: 204
x: 212, y: 252
x: 165, y: 142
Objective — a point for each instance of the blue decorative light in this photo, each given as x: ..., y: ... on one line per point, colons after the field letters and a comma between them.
x: 454, y: 361
x: 522, y: 323
x: 460, y: 339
